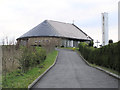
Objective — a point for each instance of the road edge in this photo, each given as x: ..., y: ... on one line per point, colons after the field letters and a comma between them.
x: 111, y: 74
x: 36, y: 80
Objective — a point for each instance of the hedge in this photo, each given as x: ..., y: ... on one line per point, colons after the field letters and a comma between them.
x: 106, y: 56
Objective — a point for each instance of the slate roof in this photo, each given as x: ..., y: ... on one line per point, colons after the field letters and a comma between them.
x: 56, y: 29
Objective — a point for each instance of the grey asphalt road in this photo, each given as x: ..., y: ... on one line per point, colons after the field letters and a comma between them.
x: 71, y: 71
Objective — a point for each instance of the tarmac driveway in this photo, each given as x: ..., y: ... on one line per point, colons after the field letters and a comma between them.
x: 71, y: 71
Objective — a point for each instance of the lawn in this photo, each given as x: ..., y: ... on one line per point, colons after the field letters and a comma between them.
x: 17, y: 79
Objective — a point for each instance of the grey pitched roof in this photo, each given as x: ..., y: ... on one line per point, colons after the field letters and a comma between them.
x: 56, y: 29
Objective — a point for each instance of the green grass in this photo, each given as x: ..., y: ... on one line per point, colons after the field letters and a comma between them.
x: 67, y: 48
x: 17, y: 79
x: 107, y: 69
x: 0, y: 80
x: 70, y: 48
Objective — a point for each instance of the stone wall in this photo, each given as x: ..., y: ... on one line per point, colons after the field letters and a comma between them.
x: 41, y: 41
x: 49, y: 42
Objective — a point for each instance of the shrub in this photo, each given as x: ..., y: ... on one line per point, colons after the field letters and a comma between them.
x: 110, y: 41
x: 73, y: 48
x: 31, y: 57
x: 107, y: 56
x: 91, y: 43
x: 25, y: 59
x: 40, y: 54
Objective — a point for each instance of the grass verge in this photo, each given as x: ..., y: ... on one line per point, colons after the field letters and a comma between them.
x: 69, y: 48
x: 17, y: 79
x: 107, y: 69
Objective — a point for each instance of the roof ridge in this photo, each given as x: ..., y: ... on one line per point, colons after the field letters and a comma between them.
x: 60, y: 22
x: 52, y: 27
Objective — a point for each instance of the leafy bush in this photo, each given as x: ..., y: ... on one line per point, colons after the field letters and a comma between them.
x: 110, y: 41
x: 31, y: 57
x: 40, y: 55
x: 91, y: 43
x: 107, y: 56
x: 25, y: 59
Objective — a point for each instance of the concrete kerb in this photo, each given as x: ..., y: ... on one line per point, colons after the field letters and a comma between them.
x: 111, y: 74
x: 35, y: 81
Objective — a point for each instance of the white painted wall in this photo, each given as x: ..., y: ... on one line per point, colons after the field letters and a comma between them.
x: 71, y: 43
x: 65, y: 42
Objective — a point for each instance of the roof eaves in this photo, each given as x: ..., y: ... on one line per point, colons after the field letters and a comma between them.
x: 82, y: 31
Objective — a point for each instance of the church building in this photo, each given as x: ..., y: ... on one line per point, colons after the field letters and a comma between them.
x: 54, y: 32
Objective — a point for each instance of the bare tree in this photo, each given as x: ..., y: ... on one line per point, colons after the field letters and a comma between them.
x: 3, y: 41
x: 12, y: 41
x: 6, y: 40
x: 8, y: 54
x: 4, y: 60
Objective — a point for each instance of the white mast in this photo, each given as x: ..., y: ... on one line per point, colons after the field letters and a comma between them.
x: 119, y: 21
x: 104, y: 28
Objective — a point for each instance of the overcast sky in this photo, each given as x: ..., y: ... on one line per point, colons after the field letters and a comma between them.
x: 19, y: 16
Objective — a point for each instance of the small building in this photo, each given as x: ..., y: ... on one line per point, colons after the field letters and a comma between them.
x: 56, y: 33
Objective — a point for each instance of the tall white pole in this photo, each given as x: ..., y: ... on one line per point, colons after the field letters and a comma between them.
x: 104, y: 28
x: 119, y: 21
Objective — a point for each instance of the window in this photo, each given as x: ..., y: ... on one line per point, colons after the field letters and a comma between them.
x: 35, y: 41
